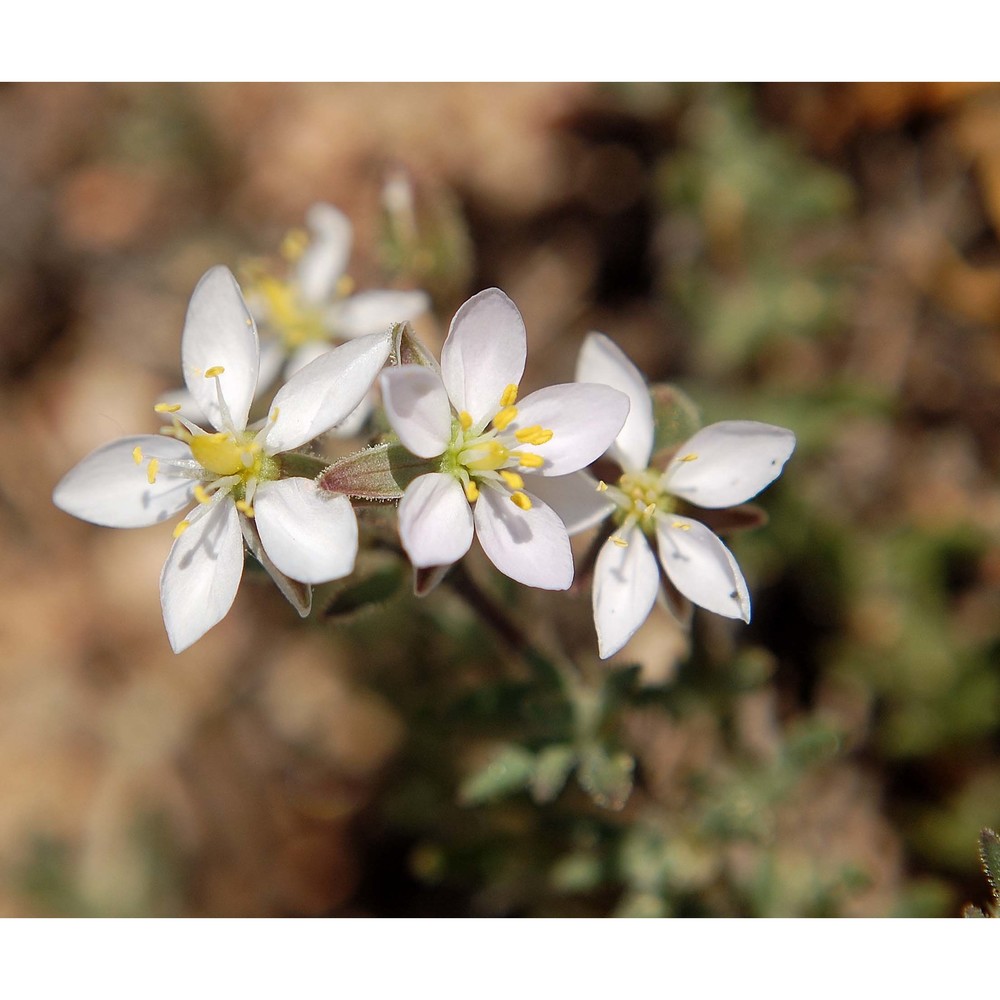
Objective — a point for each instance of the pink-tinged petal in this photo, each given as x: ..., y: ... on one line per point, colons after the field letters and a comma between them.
x: 310, y: 535
x: 325, y: 258
x: 219, y: 332
x: 583, y: 417
x: 729, y: 462
x: 325, y: 392
x: 375, y: 312
x: 603, y: 361
x: 417, y: 407
x: 435, y: 523
x: 530, y: 546
x: 109, y: 488
x: 626, y: 582
x: 575, y: 498
x: 201, y: 575
x: 483, y: 353
x: 701, y: 567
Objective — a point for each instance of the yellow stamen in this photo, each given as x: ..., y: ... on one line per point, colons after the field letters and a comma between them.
x: 650, y: 510
x: 528, y: 459
x: 504, y: 418
x: 274, y: 414
x: 465, y: 419
x: 137, y: 455
x: 214, y: 371
x: 243, y: 506
x: 167, y: 407
x: 619, y: 541
x: 519, y: 499
x: 471, y: 491
x: 688, y: 458
x: 602, y: 486
x: 681, y: 525
x: 154, y: 464
x: 182, y: 526
x: 509, y: 395
x: 512, y: 479
x: 201, y: 494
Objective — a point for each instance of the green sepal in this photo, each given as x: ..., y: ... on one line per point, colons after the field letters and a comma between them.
x: 381, y: 472
x: 294, y: 464
x: 675, y: 419
x: 408, y: 349
x: 989, y: 852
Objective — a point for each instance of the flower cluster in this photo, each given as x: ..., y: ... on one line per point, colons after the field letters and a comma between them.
x: 484, y: 462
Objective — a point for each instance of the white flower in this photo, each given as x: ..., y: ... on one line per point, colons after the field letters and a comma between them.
x: 493, y: 452
x: 301, y: 536
x: 721, y: 465
x: 315, y: 308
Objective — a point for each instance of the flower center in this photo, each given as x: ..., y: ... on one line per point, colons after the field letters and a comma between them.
x: 488, y: 454
x: 639, y: 497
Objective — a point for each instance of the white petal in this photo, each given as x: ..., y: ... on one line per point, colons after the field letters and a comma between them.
x: 311, y: 536
x: 375, y: 312
x: 701, y: 567
x: 601, y: 360
x: 417, y: 407
x: 483, y: 353
x: 530, y: 546
x: 325, y: 259
x: 325, y: 392
x: 435, y: 522
x: 108, y: 488
x: 298, y: 594
x: 583, y: 417
x: 729, y: 462
x: 626, y: 582
x: 201, y: 575
x: 574, y: 498
x: 219, y: 332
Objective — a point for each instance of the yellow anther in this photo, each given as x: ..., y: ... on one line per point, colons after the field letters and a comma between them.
x: 690, y: 457
x: 293, y: 246
x: 528, y: 459
x: 619, y: 541
x: 471, y: 491
x: 167, y: 407
x: 650, y: 510
x: 527, y: 435
x: 201, y: 494
x: 465, y: 419
x: 244, y: 507
x: 519, y: 499
x: 512, y: 479
x: 345, y: 285
x: 602, y: 486
x: 214, y: 372
x: 504, y: 418
x: 137, y: 455
x: 182, y: 526
x: 681, y: 525
x: 154, y: 464
x: 509, y: 395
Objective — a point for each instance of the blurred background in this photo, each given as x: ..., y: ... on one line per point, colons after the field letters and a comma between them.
x: 824, y: 257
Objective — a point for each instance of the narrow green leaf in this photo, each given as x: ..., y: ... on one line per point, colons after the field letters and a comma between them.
x: 509, y: 771
x: 552, y: 768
